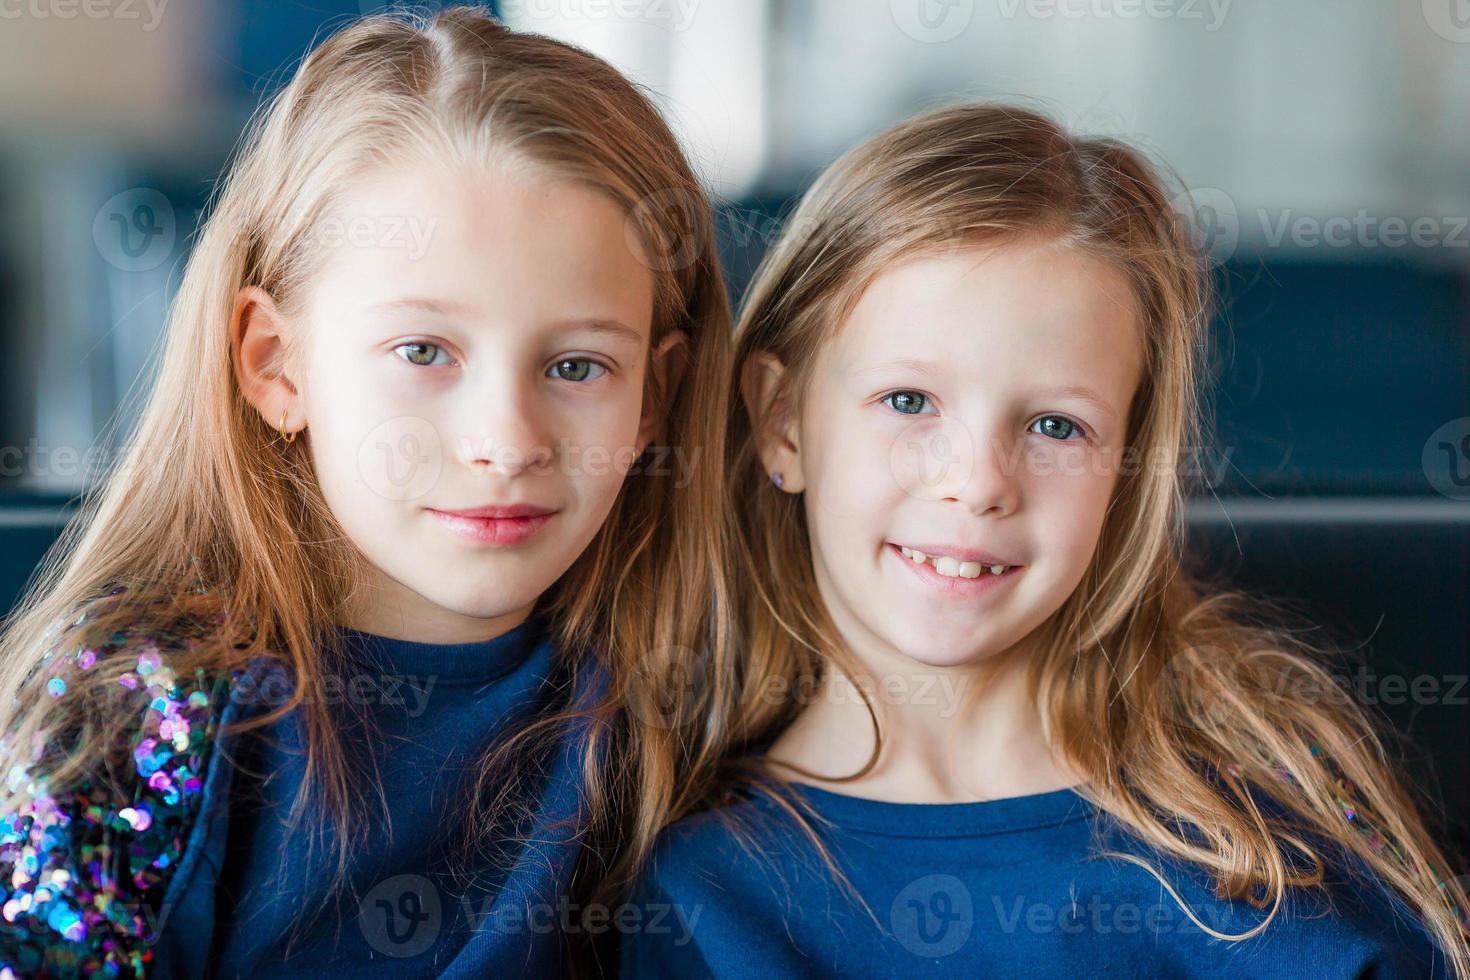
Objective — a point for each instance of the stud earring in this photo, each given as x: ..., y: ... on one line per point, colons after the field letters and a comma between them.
x: 777, y: 479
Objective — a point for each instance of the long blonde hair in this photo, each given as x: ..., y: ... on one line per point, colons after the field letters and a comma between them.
x: 1158, y: 689
x: 210, y: 520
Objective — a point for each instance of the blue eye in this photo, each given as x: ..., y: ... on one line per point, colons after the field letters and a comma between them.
x: 577, y: 369
x: 1060, y: 429
x: 422, y: 355
x: 906, y: 402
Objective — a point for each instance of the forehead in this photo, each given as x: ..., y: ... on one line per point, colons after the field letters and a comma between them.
x: 485, y: 237
x: 998, y: 313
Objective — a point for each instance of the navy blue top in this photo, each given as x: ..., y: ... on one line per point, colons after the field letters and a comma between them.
x: 1005, y: 888
x: 256, y: 898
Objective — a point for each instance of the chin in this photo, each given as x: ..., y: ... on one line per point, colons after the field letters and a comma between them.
x: 948, y: 652
x: 484, y: 601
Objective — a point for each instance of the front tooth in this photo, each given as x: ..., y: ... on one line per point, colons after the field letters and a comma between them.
x: 946, y: 565
x: 997, y: 569
x: 907, y: 551
x: 917, y: 556
x: 970, y: 569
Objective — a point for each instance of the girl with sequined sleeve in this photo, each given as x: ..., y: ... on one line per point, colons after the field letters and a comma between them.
x: 992, y: 726
x: 331, y: 674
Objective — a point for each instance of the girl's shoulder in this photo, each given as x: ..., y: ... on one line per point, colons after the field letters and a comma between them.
x: 100, y: 811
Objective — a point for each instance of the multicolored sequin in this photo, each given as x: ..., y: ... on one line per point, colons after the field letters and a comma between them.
x: 84, y: 869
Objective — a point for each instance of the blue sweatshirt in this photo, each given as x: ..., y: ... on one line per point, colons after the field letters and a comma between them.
x: 1005, y: 888
x: 192, y: 866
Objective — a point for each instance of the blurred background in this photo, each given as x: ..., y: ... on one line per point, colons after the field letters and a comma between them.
x: 1325, y: 145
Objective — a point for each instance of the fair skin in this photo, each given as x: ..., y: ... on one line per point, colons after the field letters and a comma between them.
x: 937, y: 416
x: 502, y: 364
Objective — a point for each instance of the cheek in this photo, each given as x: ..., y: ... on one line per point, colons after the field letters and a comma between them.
x: 599, y: 438
x: 851, y: 490
x: 1068, y: 513
x: 369, y: 450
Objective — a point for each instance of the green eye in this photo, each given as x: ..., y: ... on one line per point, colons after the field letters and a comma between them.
x: 576, y: 369
x: 423, y: 355
x: 1061, y: 428
x: 906, y: 402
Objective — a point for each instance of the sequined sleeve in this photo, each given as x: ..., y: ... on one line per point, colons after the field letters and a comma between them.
x: 84, y: 867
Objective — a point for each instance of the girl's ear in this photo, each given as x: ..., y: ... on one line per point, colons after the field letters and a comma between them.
x: 258, y: 334
x: 777, y: 434
x: 667, y: 366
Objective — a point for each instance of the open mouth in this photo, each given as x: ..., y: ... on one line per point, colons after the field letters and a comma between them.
x: 952, y: 567
x: 949, y: 573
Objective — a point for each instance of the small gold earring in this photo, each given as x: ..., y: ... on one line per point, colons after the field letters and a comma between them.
x: 290, y: 437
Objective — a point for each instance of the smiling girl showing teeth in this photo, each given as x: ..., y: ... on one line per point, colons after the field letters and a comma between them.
x: 973, y: 323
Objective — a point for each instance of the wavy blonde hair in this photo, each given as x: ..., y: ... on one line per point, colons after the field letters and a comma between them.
x: 210, y: 520
x: 1178, y: 702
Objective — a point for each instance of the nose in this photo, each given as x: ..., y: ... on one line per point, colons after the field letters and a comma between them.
x: 994, y: 486
x: 503, y: 426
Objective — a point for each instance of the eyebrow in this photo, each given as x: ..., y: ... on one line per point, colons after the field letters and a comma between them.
x: 912, y: 363
x: 613, y: 328
x: 423, y: 304
x: 599, y: 325
x: 1085, y: 394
